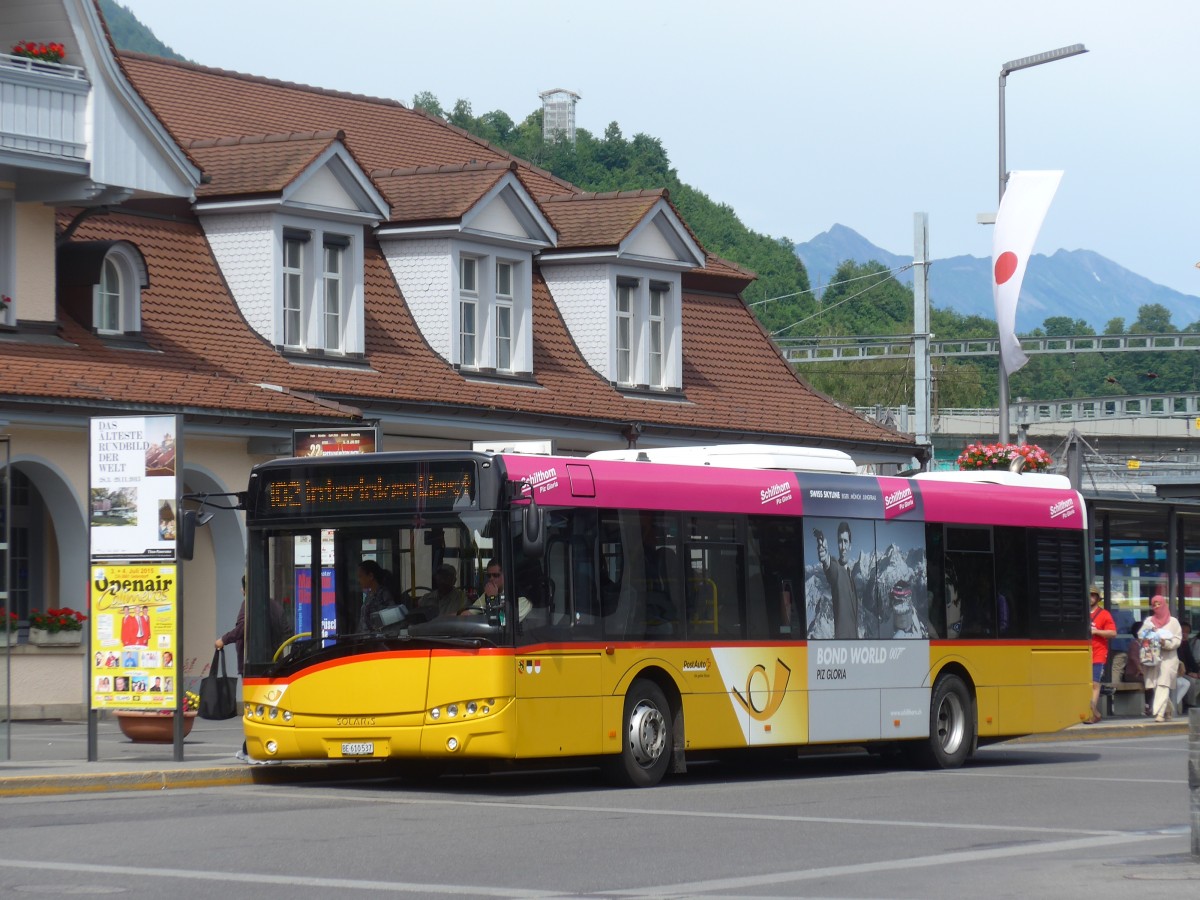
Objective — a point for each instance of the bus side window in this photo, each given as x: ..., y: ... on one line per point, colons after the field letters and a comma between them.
x: 935, y: 563
x: 971, y: 601
x: 774, y: 603
x: 1012, y: 582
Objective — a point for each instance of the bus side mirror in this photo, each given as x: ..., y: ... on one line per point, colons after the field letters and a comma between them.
x: 189, y: 521
x: 533, y: 531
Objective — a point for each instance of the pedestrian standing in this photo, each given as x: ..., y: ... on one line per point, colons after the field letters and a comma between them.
x: 1103, y: 630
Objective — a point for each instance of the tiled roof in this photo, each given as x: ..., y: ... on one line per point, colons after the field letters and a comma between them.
x: 598, y: 220
x: 437, y: 193
x: 196, y: 103
x: 257, y: 164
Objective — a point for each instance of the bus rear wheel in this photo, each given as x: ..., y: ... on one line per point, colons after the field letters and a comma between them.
x: 951, y: 726
x: 647, y: 738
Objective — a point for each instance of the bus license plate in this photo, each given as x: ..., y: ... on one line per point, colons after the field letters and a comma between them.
x: 358, y: 748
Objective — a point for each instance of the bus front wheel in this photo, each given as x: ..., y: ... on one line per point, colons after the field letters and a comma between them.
x: 951, y: 725
x: 647, y: 738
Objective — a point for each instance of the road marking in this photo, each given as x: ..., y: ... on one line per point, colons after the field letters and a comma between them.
x: 692, y: 814
x: 940, y: 860
x: 242, y: 878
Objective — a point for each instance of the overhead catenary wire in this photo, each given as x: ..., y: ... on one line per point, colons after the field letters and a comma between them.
x: 895, y: 271
x: 881, y: 278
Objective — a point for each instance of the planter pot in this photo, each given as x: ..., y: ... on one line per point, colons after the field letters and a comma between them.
x: 40, y: 638
x: 150, y: 726
x: 8, y: 640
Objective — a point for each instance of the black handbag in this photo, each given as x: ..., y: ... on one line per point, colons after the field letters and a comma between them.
x: 218, y: 691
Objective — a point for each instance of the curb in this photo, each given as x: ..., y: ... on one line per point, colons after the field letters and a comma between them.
x: 1100, y: 730
x: 101, y: 782
x: 179, y: 779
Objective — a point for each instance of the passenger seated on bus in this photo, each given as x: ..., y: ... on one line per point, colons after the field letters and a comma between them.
x: 445, y: 599
x: 373, y: 581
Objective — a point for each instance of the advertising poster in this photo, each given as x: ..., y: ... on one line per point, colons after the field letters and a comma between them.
x: 134, y: 662
x: 323, y: 442
x: 133, y: 488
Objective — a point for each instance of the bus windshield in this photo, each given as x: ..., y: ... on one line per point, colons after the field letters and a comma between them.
x: 344, y: 590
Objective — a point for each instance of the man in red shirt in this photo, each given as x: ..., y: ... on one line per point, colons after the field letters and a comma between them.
x: 1103, y: 628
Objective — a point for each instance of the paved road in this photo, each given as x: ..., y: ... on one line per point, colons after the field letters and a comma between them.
x: 1085, y: 818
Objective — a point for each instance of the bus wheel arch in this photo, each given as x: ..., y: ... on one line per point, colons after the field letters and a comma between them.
x: 651, y: 732
x: 953, y: 726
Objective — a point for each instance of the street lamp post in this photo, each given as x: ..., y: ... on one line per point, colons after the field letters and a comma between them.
x: 1012, y: 66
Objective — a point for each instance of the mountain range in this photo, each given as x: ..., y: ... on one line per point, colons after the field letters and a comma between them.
x: 1075, y: 283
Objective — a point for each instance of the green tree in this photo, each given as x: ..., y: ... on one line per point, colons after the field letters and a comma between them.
x: 428, y: 102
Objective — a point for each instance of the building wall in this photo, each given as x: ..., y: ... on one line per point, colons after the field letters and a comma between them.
x: 243, y: 245
x: 424, y: 273
x: 583, y: 297
x: 35, y: 262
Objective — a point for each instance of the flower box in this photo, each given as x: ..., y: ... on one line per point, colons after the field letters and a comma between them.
x: 152, y: 726
x: 41, y: 638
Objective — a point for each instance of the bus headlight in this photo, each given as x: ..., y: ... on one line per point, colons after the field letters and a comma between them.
x: 274, y: 713
x: 452, y: 710
x: 471, y: 707
x: 287, y: 715
x: 435, y: 714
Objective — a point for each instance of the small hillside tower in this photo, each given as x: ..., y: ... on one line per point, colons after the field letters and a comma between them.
x: 558, y: 113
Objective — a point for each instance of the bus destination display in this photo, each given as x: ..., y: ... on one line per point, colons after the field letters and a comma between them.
x: 305, y: 490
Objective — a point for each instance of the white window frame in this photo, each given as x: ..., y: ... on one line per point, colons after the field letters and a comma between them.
x: 656, y: 334
x: 625, y: 331
x: 292, y: 297
x: 502, y: 302
x: 645, y: 325
x: 321, y: 327
x: 504, y: 315
x: 119, y: 264
x: 332, y: 294
x: 468, y: 311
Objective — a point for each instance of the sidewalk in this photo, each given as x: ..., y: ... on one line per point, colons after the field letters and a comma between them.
x: 50, y: 757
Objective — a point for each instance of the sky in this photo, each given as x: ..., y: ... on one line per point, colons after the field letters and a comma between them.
x: 800, y: 115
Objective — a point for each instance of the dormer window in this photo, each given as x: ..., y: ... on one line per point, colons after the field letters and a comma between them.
x: 493, y: 300
x: 116, y: 298
x: 643, y: 317
x: 314, y: 304
x: 309, y: 302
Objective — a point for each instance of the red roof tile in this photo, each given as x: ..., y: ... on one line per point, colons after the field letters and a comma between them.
x: 598, y: 220
x: 260, y: 164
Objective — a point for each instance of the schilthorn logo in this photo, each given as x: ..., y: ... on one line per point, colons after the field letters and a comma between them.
x: 544, y: 480
x: 902, y: 499
x: 1063, y: 509
x: 776, y: 493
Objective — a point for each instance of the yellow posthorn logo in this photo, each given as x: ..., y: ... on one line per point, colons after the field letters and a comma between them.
x: 774, y: 694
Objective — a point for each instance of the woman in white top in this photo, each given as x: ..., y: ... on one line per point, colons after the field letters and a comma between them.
x: 1160, y: 629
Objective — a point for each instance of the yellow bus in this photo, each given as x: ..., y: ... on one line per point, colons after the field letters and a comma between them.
x: 637, y: 612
